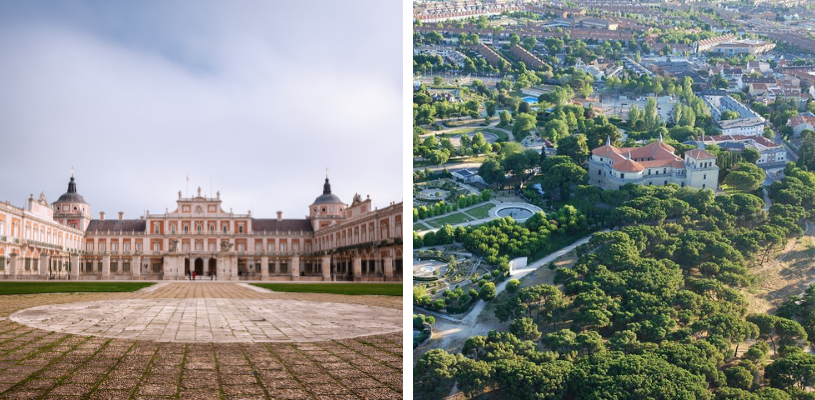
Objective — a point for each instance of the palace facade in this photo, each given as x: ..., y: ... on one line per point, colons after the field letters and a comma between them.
x: 334, y: 242
x: 653, y: 164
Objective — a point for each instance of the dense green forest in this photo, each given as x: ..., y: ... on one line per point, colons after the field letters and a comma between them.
x: 651, y: 309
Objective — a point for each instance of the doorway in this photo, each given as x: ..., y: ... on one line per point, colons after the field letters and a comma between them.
x: 199, y: 267
x: 213, y: 267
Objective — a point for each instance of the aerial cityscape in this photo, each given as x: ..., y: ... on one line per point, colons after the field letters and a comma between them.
x: 613, y: 199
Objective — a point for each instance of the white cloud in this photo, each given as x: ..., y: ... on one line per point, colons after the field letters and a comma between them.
x: 262, y: 105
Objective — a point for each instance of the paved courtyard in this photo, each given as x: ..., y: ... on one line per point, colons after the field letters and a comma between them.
x: 200, y: 341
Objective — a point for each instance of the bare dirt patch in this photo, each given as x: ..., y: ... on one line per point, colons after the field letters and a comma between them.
x: 788, y: 275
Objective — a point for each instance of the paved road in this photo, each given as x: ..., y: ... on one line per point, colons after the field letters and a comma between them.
x: 472, y: 317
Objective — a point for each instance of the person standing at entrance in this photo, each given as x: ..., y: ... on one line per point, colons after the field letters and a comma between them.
x: 193, y: 275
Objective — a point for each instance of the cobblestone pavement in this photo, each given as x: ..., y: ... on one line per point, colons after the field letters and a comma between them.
x: 213, y: 320
x: 40, y: 364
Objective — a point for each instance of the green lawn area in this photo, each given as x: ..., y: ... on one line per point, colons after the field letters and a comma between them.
x: 502, y: 136
x: 458, y: 132
x: 482, y: 211
x: 452, y: 219
x: 387, y: 289
x: 70, y: 287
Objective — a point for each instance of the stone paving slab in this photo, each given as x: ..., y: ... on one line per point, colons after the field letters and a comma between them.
x: 40, y: 364
x: 213, y: 320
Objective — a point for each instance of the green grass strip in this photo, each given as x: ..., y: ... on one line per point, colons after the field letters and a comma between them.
x: 387, y: 289
x: 70, y: 287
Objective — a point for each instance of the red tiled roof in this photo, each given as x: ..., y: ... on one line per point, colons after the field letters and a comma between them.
x: 628, y: 166
x: 700, y: 154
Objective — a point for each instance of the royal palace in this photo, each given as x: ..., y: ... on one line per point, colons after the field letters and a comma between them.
x: 334, y: 242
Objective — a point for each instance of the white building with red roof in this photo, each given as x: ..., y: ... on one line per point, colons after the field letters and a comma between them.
x: 611, y: 167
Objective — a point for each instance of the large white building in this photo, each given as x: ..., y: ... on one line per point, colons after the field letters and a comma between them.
x: 747, y: 123
x: 654, y: 164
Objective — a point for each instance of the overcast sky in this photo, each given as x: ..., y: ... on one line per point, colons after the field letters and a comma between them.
x: 261, y: 96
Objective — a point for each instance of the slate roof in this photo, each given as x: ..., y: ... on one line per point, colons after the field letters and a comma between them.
x: 272, y: 224
x: 115, y: 225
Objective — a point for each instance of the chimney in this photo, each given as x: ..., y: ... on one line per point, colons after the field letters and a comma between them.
x: 121, y: 215
x: 280, y: 215
x: 102, y: 215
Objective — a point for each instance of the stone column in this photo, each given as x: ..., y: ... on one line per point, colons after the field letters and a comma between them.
x: 135, y: 267
x: 357, y: 268
x: 169, y: 266
x: 179, y: 265
x: 12, y: 265
x: 277, y: 266
x: 295, y: 268
x: 264, y: 268
x: 75, y: 263
x: 233, y: 268
x: 44, y: 265
x: 388, y: 268
x: 106, y: 266
x: 326, y: 265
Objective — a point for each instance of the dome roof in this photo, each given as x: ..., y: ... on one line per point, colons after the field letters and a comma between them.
x: 327, y: 197
x: 71, y: 196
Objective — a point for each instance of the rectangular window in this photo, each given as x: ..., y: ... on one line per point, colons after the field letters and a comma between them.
x: 295, y: 247
x: 156, y: 267
x: 282, y: 247
x: 284, y: 267
x: 90, y: 247
x: 102, y: 247
x: 114, y: 266
x: 114, y: 246
x: 28, y: 264
x: 271, y: 247
x: 155, y: 246
x: 240, y: 229
x: 212, y: 247
x: 127, y: 246
x: 186, y: 247
x: 258, y: 247
x: 308, y: 247
x: 138, y: 246
x: 126, y: 266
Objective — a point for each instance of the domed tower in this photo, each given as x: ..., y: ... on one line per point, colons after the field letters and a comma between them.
x: 327, y: 208
x: 71, y: 209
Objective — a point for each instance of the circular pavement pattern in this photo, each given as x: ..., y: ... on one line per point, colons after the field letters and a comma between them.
x: 213, y: 320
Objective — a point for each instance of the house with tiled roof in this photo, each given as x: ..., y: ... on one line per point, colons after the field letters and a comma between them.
x: 770, y: 154
x: 800, y: 123
x: 611, y: 167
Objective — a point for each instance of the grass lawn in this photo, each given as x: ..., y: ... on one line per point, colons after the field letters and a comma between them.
x: 387, y: 289
x: 482, y: 211
x: 70, y: 287
x: 452, y: 219
x: 502, y: 136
